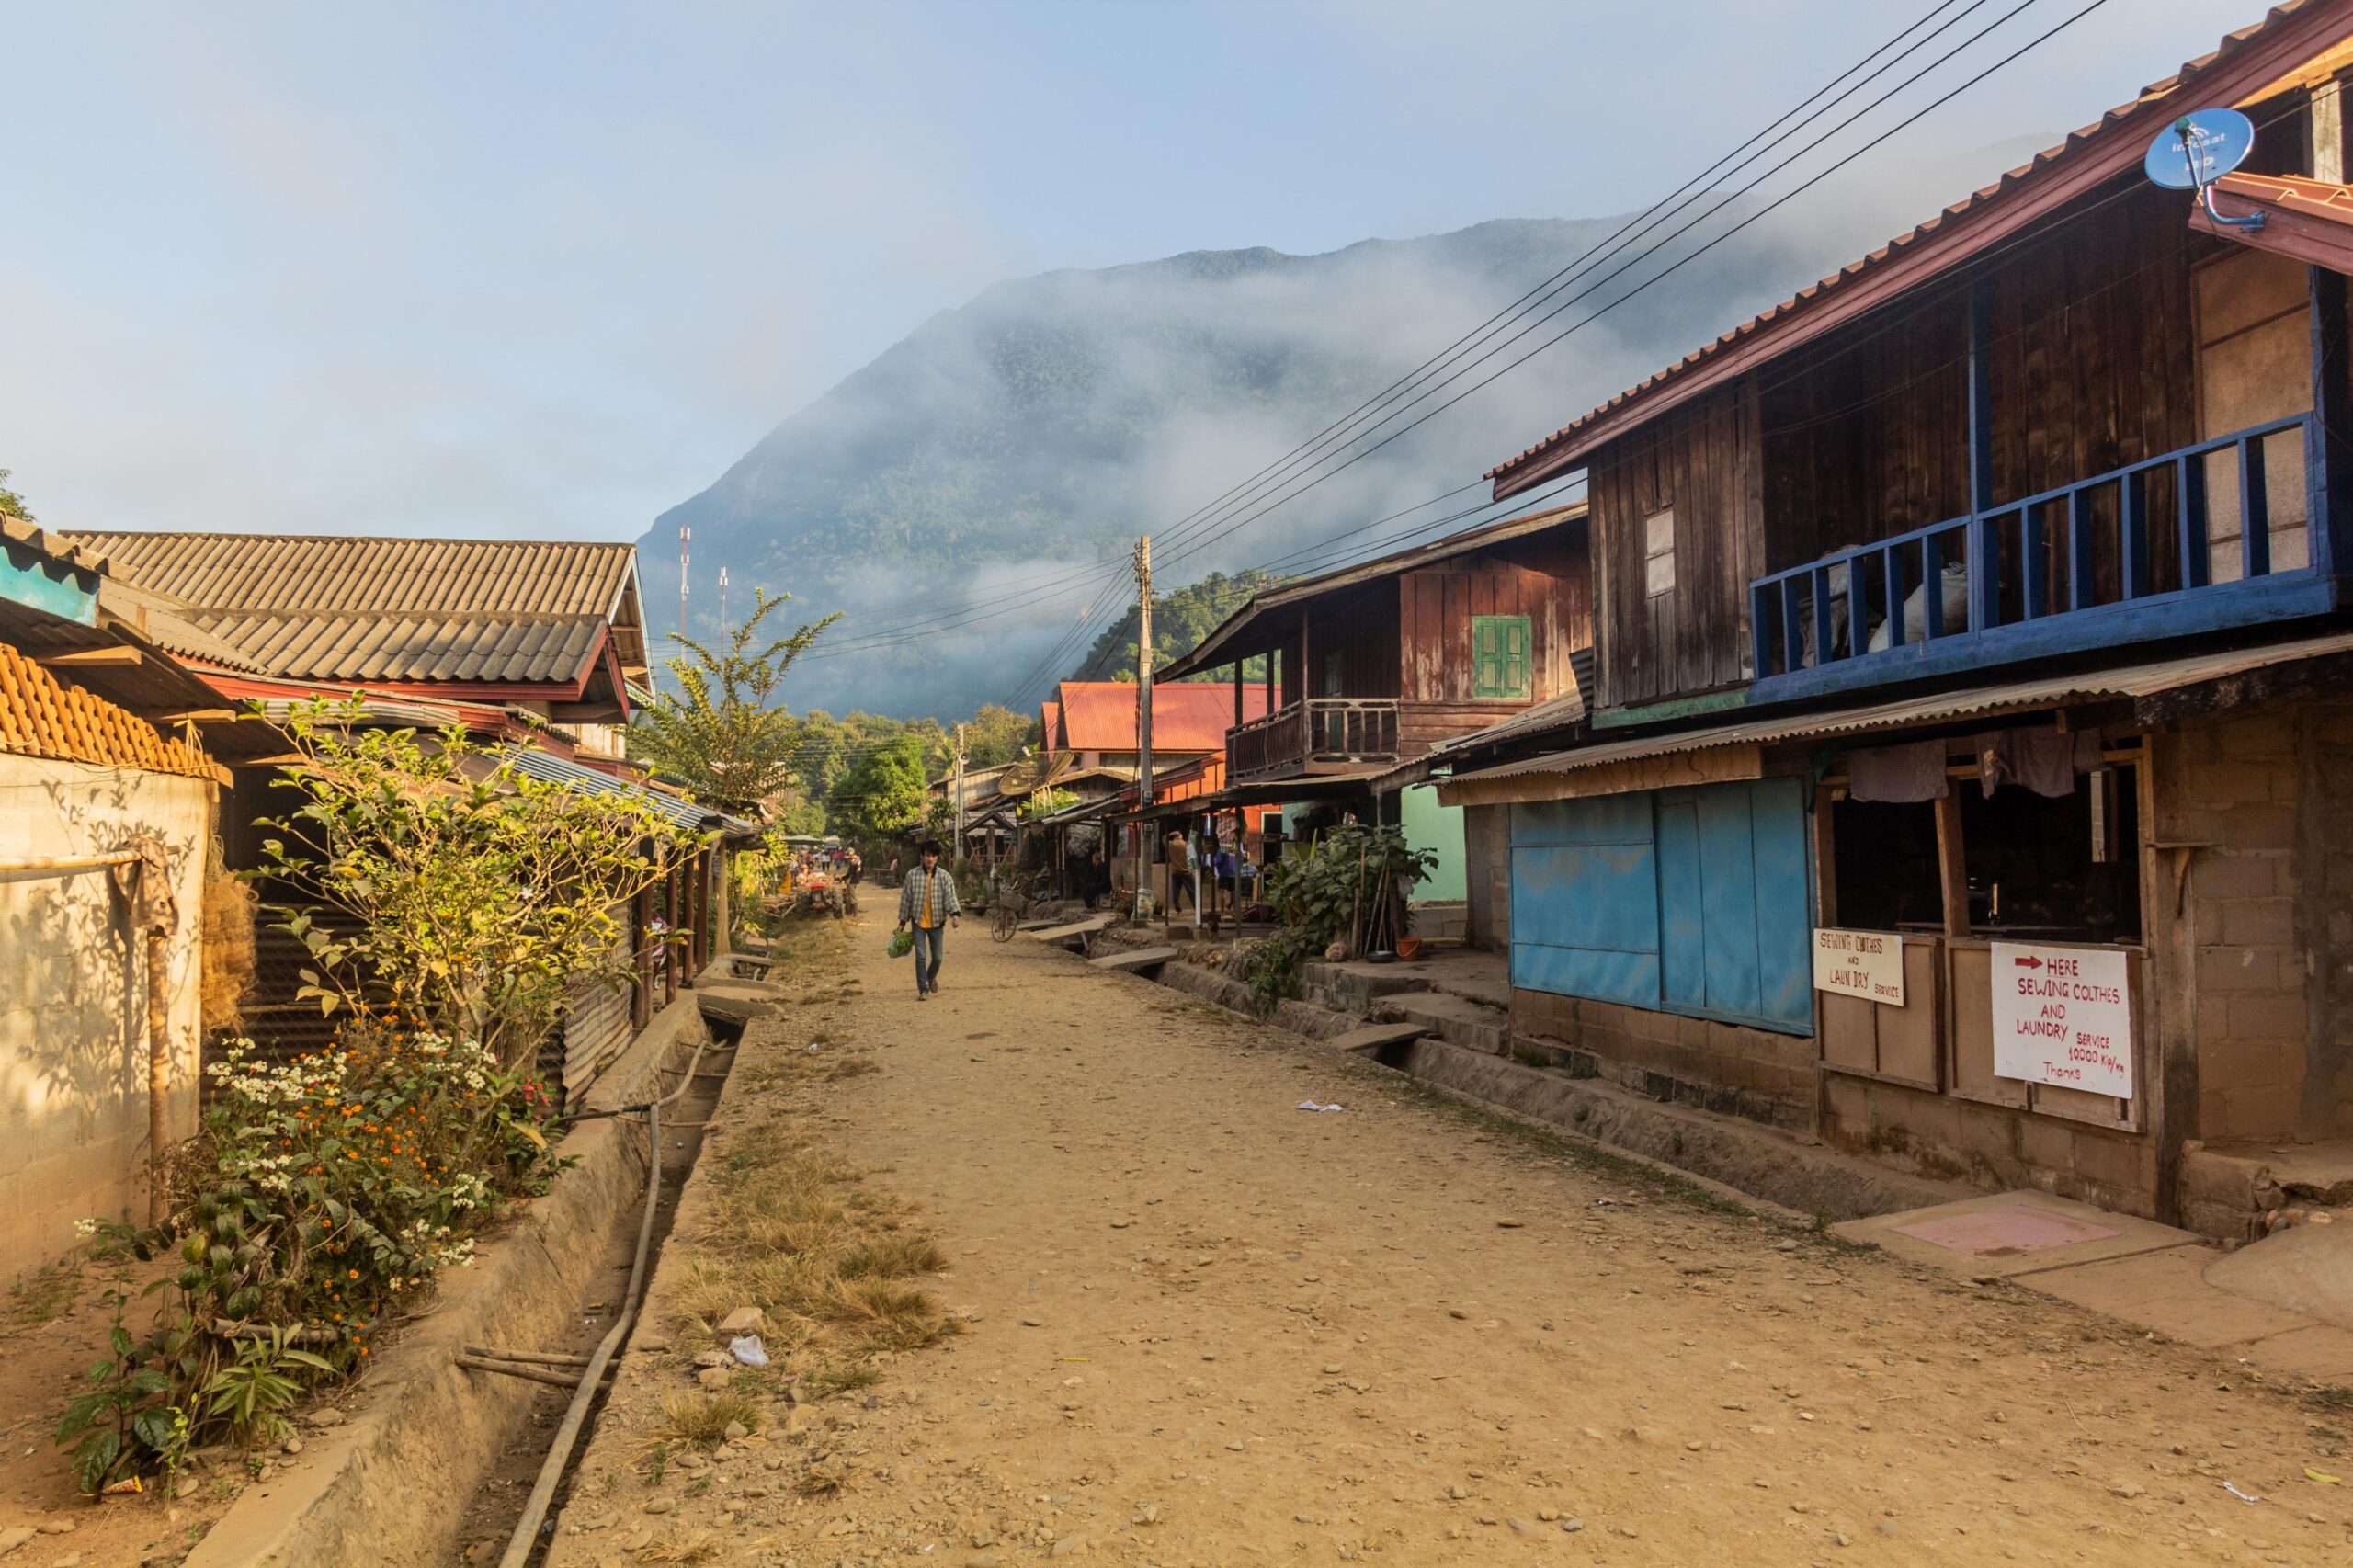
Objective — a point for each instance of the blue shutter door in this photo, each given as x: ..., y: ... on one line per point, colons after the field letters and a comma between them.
x: 1784, y: 904
x: 1585, y: 899
x: 1728, y: 900
x: 1682, y: 948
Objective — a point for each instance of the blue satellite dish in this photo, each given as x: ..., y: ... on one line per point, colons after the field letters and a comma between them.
x: 2198, y: 149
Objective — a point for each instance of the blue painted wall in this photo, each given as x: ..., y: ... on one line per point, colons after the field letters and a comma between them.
x: 1697, y: 901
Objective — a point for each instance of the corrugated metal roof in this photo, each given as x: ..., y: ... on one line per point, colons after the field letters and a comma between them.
x: 550, y: 769
x: 1846, y: 277
x: 1985, y: 701
x: 1202, y: 657
x: 357, y: 608
x: 440, y: 576
x: 357, y: 646
x: 1100, y: 715
x: 1556, y: 713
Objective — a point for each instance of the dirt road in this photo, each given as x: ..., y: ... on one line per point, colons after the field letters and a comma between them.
x: 1212, y: 1328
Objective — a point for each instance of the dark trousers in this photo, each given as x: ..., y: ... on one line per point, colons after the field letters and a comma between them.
x: 930, y: 947
x: 1181, y: 886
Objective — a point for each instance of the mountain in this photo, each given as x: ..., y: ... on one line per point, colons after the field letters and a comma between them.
x: 981, y: 482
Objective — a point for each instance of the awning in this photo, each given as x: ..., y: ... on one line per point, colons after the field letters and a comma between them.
x: 550, y: 769
x: 1740, y: 742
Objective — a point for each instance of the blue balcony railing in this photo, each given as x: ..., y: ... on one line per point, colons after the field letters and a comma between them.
x: 2118, y: 557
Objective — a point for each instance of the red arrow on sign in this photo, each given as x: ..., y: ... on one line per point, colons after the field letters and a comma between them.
x: 2028, y: 964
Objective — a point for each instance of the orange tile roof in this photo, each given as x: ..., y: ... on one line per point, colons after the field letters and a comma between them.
x: 42, y: 717
x: 1100, y: 715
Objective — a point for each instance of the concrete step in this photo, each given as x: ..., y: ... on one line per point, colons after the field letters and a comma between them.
x: 1076, y: 932
x: 1373, y: 1039
x: 1474, y: 1026
x: 1136, y: 960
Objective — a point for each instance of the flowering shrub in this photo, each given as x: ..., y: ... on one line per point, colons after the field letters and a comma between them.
x: 326, y: 1188
x: 318, y: 1195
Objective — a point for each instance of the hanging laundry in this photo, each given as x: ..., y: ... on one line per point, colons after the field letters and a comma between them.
x: 1905, y: 773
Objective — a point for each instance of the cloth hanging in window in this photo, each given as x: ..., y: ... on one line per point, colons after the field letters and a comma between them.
x: 1905, y: 773
x: 2044, y: 760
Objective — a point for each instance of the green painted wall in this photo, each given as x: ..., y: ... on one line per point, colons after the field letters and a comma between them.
x: 1429, y: 825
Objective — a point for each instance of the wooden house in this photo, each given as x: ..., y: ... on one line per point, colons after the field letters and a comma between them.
x: 1980, y: 606
x: 1371, y: 665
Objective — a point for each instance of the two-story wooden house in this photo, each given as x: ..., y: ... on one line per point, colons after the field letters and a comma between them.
x: 1969, y: 757
x: 1368, y: 666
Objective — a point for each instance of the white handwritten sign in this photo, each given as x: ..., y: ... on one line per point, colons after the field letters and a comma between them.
x: 2064, y: 1016
x: 1868, y: 964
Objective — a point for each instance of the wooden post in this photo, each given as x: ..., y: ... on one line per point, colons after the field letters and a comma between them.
x: 670, y: 955
x: 641, y: 999
x: 1826, y: 859
x: 723, y: 940
x: 2328, y: 455
x: 1952, y: 872
x: 159, y: 1065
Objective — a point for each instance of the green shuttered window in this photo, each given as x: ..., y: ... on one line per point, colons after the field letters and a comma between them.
x: 1499, y: 664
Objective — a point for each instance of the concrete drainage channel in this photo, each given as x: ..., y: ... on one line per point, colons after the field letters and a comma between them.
x: 435, y: 1457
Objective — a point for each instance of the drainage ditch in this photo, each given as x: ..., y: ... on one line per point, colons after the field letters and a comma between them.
x: 499, y: 1502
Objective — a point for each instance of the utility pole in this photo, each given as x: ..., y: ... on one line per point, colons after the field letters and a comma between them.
x: 958, y: 849
x: 1143, y: 696
x: 685, y: 537
x: 723, y: 600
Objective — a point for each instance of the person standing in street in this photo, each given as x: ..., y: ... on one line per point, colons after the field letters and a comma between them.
x: 928, y: 905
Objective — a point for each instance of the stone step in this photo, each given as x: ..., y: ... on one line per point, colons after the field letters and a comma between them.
x: 1374, y: 1038
x: 1136, y: 960
x: 1455, y: 1020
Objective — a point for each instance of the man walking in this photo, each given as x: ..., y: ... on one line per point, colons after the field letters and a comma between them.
x: 928, y: 905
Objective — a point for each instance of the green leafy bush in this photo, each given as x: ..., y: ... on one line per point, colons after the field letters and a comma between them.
x: 1317, y: 894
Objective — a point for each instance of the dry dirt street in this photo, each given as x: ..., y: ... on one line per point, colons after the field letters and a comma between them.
x: 1212, y: 1328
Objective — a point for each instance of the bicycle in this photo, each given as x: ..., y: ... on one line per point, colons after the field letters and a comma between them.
x: 1006, y: 908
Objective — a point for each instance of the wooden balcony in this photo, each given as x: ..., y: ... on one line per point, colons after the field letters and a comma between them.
x: 2125, y: 557
x: 1323, y: 734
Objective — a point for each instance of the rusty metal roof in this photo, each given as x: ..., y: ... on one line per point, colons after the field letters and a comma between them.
x: 2239, y: 49
x: 403, y: 610
x: 1202, y: 655
x: 1985, y: 701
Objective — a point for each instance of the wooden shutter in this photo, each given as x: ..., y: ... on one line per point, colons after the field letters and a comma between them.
x: 1499, y: 663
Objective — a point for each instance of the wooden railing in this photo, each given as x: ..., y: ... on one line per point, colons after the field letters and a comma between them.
x: 1320, y: 735
x: 2021, y: 580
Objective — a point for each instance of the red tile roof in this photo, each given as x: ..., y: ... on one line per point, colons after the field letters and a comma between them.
x: 1100, y: 715
x: 2249, y: 59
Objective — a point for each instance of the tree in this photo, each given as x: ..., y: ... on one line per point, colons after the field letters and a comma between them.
x: 883, y: 794
x: 11, y: 504
x: 1180, y: 618
x: 998, y: 734
x: 725, y: 737
x: 482, y: 895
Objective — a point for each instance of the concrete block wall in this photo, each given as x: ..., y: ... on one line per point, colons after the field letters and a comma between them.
x: 1991, y: 1146
x: 2264, y: 975
x: 1486, y: 861
x: 1757, y: 1074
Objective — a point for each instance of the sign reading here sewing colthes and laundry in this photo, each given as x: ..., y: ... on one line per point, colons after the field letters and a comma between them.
x: 2064, y: 1016
x: 1868, y: 964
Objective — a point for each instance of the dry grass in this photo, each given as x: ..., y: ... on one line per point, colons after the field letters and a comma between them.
x: 702, y: 1546
x: 794, y: 1229
x: 703, y: 1419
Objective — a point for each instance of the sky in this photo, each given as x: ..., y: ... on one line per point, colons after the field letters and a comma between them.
x: 544, y: 270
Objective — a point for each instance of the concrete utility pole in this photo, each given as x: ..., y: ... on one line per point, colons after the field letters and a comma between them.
x: 722, y: 599
x: 958, y: 849
x: 685, y: 537
x: 1144, y: 698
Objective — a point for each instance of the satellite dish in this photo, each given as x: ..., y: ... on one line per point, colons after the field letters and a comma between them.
x: 2198, y: 149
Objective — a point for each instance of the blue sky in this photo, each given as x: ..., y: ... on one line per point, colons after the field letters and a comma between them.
x: 544, y: 270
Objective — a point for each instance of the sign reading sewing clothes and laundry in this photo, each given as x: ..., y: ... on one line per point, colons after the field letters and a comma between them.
x: 2064, y: 1016
x: 1868, y: 964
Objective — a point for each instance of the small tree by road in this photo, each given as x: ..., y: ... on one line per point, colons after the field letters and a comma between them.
x: 726, y: 736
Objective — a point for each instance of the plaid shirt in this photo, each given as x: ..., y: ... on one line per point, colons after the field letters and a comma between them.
x: 943, y: 897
